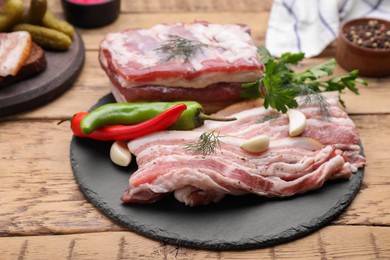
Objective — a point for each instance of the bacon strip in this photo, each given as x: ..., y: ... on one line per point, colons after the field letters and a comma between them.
x: 336, y: 129
x: 290, y: 166
x: 328, y: 149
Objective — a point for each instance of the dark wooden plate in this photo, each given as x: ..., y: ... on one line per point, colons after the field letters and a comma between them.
x: 235, y: 223
x: 62, y: 70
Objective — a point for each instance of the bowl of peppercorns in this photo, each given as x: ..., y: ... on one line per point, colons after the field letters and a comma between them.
x: 364, y: 44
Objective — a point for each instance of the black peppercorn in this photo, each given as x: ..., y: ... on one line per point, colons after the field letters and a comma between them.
x: 373, y: 34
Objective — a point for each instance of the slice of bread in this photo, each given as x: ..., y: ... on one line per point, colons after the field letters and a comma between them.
x: 35, y: 63
x: 14, y: 50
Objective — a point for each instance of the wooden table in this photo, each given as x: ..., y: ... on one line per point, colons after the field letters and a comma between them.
x: 44, y: 215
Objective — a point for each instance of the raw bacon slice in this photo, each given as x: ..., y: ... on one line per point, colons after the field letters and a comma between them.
x: 290, y: 166
x: 14, y: 50
x: 138, y: 65
x: 327, y: 149
x: 335, y: 129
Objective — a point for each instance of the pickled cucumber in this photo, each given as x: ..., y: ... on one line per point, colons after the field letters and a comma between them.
x: 35, y: 13
x: 11, y: 14
x: 50, y: 21
x: 45, y: 37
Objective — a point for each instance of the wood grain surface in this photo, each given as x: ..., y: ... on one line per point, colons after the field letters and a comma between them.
x: 44, y: 215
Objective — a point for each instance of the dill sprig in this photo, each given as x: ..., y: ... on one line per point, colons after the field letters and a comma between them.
x: 315, y: 98
x: 208, y: 143
x: 268, y: 118
x: 178, y: 46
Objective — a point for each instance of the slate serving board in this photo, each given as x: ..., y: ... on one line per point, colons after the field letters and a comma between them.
x: 61, y: 71
x: 235, y: 223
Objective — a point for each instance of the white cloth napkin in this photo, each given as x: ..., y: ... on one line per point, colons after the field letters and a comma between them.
x: 309, y: 26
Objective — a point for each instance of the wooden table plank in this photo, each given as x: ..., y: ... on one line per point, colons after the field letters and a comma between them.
x: 44, y: 215
x: 345, y: 242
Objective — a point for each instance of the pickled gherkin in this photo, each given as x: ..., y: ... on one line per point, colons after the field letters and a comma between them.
x: 50, y: 21
x: 11, y: 14
x: 45, y: 37
x: 35, y: 13
x: 45, y: 29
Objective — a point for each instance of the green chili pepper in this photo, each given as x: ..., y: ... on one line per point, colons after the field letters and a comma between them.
x: 137, y: 112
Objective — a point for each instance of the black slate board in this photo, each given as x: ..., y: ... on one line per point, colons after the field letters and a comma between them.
x: 61, y: 71
x: 235, y: 223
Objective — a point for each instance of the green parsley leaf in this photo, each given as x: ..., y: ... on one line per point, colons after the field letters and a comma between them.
x: 264, y: 54
x: 289, y: 58
x: 316, y: 72
x: 347, y: 81
x: 251, y: 89
x: 278, y: 95
x: 280, y: 85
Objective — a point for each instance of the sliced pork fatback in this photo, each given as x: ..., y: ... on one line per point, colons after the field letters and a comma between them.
x: 176, y: 61
x: 14, y: 50
x: 35, y: 64
x: 290, y: 166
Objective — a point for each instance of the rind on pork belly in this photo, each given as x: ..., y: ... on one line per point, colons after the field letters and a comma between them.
x: 140, y: 71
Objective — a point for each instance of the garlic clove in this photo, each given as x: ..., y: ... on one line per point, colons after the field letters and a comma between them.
x: 256, y: 144
x: 120, y: 154
x: 297, y: 122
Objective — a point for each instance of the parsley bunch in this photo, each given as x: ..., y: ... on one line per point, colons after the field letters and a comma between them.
x: 281, y: 85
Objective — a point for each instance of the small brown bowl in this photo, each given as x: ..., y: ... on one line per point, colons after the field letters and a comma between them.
x: 371, y: 62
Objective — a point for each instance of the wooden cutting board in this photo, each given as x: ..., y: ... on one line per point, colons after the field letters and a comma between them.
x: 61, y: 71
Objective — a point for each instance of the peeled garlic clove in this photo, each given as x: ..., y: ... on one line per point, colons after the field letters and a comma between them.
x: 120, y: 154
x: 256, y: 144
x: 297, y: 122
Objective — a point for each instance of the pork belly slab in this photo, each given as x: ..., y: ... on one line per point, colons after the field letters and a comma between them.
x: 290, y: 166
x: 163, y: 62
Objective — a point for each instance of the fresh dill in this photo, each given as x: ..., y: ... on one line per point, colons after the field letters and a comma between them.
x: 269, y: 118
x: 178, y: 46
x: 208, y: 143
x: 310, y: 97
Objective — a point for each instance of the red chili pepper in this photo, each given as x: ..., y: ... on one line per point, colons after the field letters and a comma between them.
x: 124, y: 132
